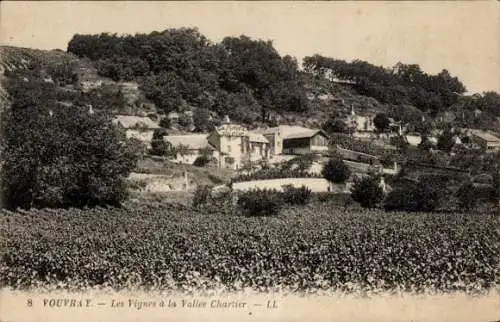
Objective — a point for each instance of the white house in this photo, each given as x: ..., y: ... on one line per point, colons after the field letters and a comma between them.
x: 237, y: 146
x: 232, y: 145
x: 193, y: 147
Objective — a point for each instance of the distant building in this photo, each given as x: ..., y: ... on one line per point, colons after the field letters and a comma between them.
x: 257, y: 146
x: 173, y: 116
x: 236, y: 145
x: 286, y: 139
x: 137, y: 127
x: 359, y: 123
x: 193, y: 147
x: 485, y: 140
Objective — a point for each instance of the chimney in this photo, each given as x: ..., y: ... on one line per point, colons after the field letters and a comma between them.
x: 226, y: 119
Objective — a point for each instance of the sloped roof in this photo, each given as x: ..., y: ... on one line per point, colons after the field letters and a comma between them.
x: 304, y: 134
x: 257, y: 137
x: 292, y: 132
x: 485, y: 136
x: 130, y: 121
x: 194, y: 142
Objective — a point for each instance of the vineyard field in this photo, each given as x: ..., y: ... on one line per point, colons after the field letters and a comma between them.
x: 311, y: 249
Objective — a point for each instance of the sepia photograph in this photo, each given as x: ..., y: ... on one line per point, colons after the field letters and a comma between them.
x: 250, y: 161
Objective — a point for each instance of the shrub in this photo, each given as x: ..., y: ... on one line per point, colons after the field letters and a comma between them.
x: 158, y: 145
x: 367, y: 191
x: 466, y: 195
x: 201, y: 196
x: 336, y: 171
x: 222, y: 200
x: 431, y: 191
x: 335, y: 126
x: 421, y: 196
x: 446, y: 141
x: 323, y: 196
x: 403, y: 199
x: 260, y: 202
x: 426, y: 144
x: 381, y: 122
x: 201, y: 161
x: 296, y: 196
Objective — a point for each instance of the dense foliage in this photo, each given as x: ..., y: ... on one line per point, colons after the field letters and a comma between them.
x: 335, y: 125
x: 336, y: 171
x: 403, y: 84
x: 240, y: 77
x: 310, y: 249
x: 367, y: 191
x: 297, y: 196
x: 260, y: 202
x: 425, y: 195
x: 56, y: 155
x: 381, y: 122
x: 158, y: 144
x: 446, y: 141
x: 466, y: 195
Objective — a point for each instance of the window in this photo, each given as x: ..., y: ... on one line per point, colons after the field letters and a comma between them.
x: 229, y: 148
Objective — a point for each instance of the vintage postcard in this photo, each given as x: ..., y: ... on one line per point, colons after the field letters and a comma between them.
x: 249, y: 161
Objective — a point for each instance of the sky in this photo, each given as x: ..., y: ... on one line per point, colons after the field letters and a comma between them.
x: 462, y: 37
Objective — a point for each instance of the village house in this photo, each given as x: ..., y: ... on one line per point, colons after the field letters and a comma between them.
x: 237, y: 146
x: 285, y: 139
x: 234, y: 146
x: 137, y: 127
x: 485, y: 140
x: 190, y: 147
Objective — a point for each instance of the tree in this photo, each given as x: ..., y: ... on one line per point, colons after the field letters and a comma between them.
x: 367, y: 191
x: 158, y: 145
x: 381, y: 122
x: 446, y: 141
x: 57, y: 155
x: 426, y: 144
x: 63, y: 157
x: 335, y: 126
x: 202, y: 120
x: 336, y: 171
x: 430, y: 191
x: 165, y: 122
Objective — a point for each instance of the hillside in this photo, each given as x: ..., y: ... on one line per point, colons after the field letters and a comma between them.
x: 179, y: 70
x: 324, y: 97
